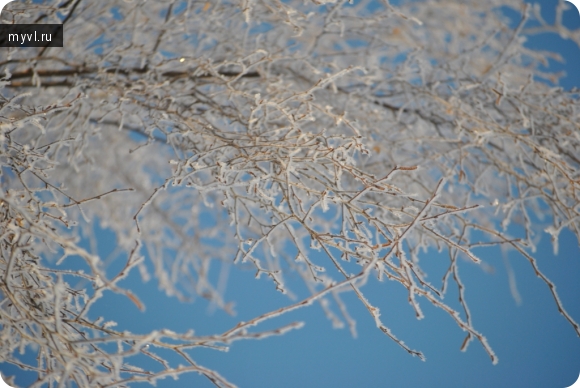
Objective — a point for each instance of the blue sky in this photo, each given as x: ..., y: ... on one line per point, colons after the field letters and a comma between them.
x: 536, y: 346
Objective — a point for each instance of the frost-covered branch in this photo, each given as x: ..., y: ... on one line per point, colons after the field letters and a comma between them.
x: 317, y: 136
